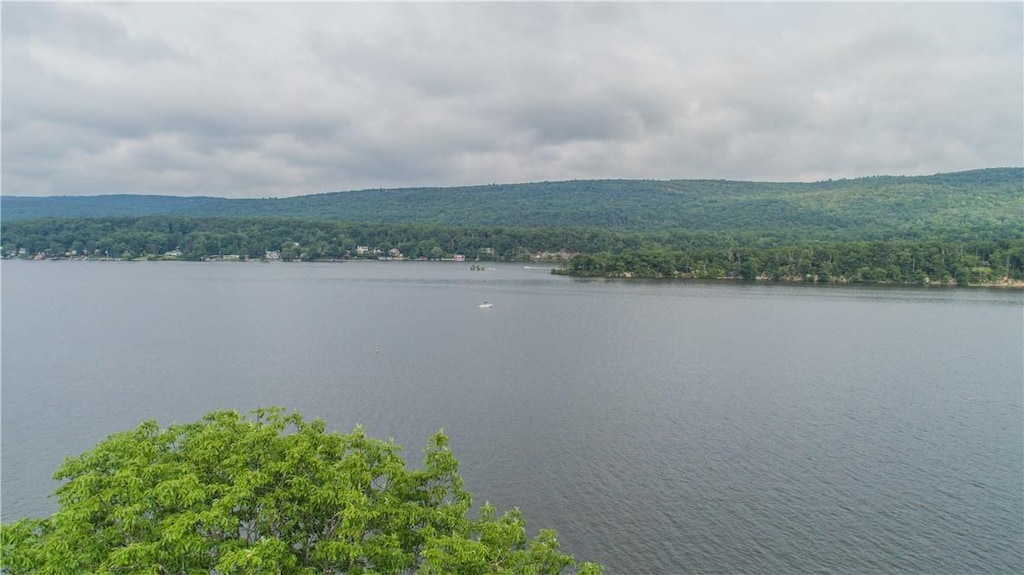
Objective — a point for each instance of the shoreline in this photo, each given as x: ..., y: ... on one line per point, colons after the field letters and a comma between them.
x: 1004, y: 284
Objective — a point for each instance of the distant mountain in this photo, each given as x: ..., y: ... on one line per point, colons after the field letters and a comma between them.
x: 14, y: 208
x: 990, y: 201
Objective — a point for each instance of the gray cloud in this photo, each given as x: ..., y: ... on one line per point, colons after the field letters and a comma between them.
x: 283, y: 99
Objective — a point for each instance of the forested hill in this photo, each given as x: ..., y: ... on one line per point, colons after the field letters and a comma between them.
x: 14, y: 208
x: 980, y: 203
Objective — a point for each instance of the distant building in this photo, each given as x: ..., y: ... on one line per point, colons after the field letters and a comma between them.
x: 460, y: 257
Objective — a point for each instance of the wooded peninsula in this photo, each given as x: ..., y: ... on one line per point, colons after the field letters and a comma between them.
x: 959, y: 228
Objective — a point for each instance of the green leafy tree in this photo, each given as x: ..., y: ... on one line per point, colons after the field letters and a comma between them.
x: 272, y: 494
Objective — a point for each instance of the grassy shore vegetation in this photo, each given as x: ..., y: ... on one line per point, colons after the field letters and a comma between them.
x: 271, y: 494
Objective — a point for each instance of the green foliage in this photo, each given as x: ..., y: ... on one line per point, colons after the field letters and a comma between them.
x: 208, y: 237
x: 979, y: 204
x: 275, y: 494
x: 949, y: 228
x: 976, y: 262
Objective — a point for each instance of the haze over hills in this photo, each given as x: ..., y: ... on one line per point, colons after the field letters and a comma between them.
x: 977, y: 203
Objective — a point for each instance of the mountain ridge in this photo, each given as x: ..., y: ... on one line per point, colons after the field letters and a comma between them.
x: 988, y: 201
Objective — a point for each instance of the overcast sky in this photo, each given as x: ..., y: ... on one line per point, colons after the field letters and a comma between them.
x: 279, y: 99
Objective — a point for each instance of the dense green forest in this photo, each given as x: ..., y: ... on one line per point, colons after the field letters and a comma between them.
x: 950, y: 228
x: 200, y: 238
x: 595, y: 252
x: 975, y: 262
x: 979, y: 204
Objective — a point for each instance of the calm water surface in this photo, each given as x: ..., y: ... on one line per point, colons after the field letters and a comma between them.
x: 661, y: 427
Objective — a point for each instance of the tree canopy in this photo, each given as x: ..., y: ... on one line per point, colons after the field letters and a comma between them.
x: 273, y: 493
x: 984, y: 204
x: 961, y: 228
x: 966, y: 263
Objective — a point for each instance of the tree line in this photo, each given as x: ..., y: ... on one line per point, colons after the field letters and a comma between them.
x: 199, y: 238
x: 926, y: 262
x: 783, y: 255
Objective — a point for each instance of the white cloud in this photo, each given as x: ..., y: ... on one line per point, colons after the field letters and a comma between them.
x: 285, y: 99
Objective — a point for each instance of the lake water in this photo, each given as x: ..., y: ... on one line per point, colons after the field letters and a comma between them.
x: 660, y: 427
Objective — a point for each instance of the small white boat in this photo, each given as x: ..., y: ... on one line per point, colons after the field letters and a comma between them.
x: 486, y: 305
